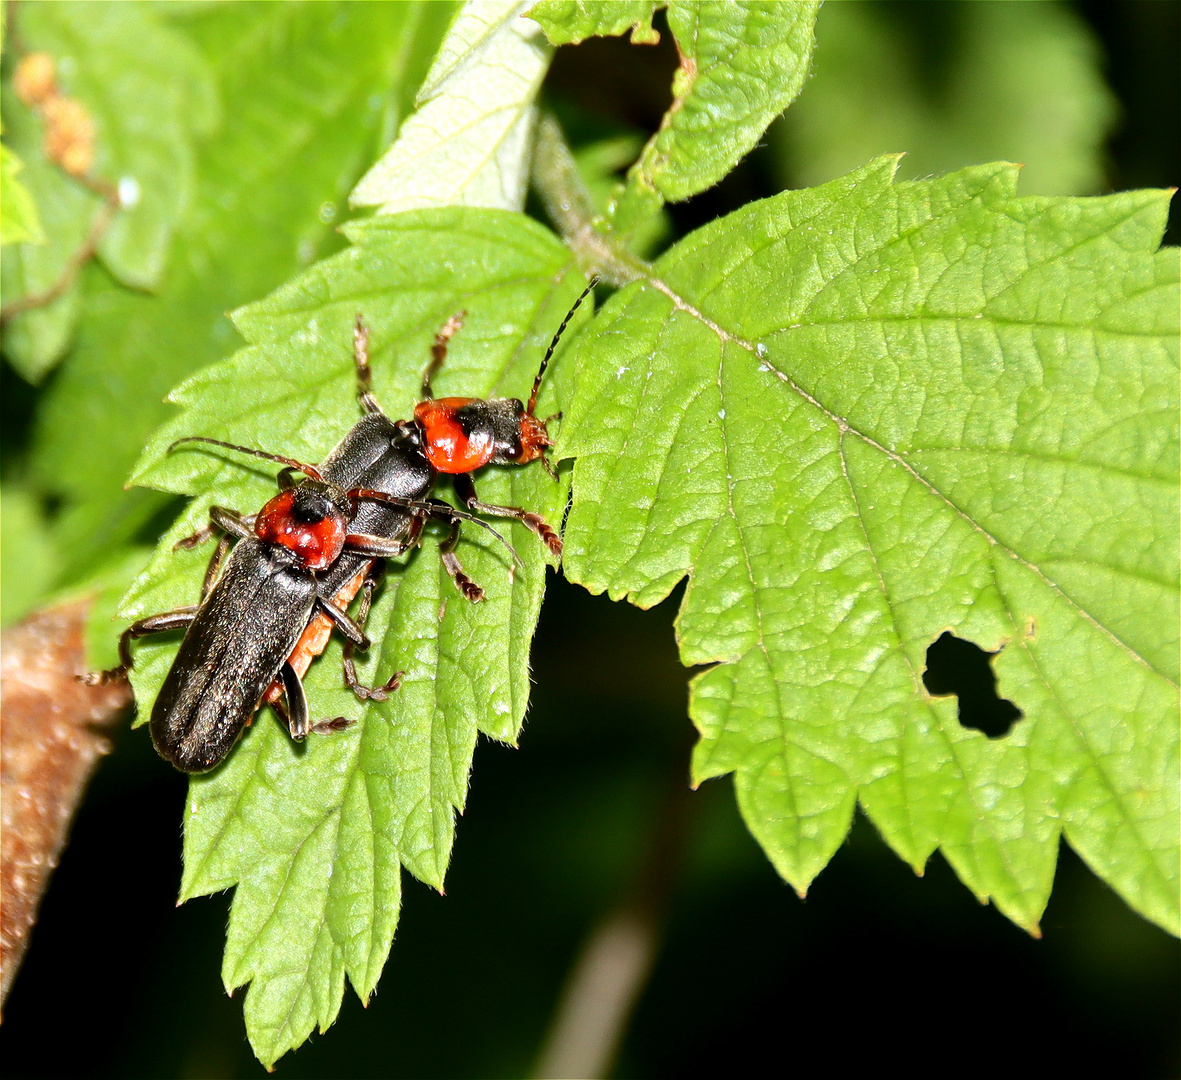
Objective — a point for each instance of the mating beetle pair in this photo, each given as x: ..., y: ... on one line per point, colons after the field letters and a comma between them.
x: 305, y: 555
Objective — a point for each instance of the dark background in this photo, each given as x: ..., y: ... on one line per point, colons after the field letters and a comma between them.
x: 876, y: 968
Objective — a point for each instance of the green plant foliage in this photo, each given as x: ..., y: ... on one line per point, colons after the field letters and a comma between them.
x: 26, y: 553
x: 36, y: 340
x: 19, y: 221
x: 313, y: 836
x: 598, y: 163
x: 149, y: 95
x: 742, y: 64
x: 854, y: 417
x: 468, y: 142
x: 313, y: 92
x: 857, y: 416
x: 1009, y: 82
x: 568, y: 22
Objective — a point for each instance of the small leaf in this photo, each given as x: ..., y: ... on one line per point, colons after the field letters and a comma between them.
x: 19, y: 221
x: 150, y: 94
x: 313, y: 836
x: 858, y: 416
x: 35, y: 340
x: 1013, y: 82
x: 742, y: 64
x: 569, y: 22
x: 468, y: 143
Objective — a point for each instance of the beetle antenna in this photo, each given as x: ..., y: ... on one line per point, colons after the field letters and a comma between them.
x: 554, y: 344
x: 308, y: 470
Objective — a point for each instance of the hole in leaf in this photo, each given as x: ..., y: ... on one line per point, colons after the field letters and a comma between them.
x: 962, y: 668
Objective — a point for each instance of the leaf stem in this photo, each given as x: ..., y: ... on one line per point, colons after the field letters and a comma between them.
x: 76, y: 261
x: 594, y: 1010
x: 567, y: 202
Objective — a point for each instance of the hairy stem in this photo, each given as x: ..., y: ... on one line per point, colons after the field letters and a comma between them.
x: 50, y: 746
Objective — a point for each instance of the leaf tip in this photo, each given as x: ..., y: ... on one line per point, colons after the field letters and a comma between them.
x: 1035, y: 932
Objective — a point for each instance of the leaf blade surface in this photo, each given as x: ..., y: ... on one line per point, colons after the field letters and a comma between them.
x: 313, y: 837
x: 794, y: 410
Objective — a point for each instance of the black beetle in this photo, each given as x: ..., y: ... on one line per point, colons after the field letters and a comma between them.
x: 301, y: 560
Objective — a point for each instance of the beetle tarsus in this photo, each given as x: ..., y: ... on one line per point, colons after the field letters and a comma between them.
x: 363, y: 692
x: 465, y: 488
x: 201, y: 536
x: 330, y: 727
x: 103, y: 678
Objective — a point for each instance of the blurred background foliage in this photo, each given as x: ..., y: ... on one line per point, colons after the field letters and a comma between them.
x: 876, y: 966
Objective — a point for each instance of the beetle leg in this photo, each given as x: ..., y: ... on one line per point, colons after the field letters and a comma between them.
x: 378, y: 547
x: 219, y: 553
x: 285, y: 478
x: 465, y: 488
x: 327, y: 727
x: 203, y: 533
x: 230, y: 521
x: 414, y: 532
x: 469, y: 588
x: 233, y: 523
x: 344, y: 623
x: 298, y: 719
x: 364, y: 371
x: 153, y: 624
x: 439, y: 351
x: 296, y: 714
x: 373, y: 693
x: 436, y: 510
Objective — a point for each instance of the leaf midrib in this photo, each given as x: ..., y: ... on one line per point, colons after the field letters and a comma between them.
x: 843, y: 425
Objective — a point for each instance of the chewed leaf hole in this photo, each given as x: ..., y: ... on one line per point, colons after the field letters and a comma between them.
x: 962, y: 668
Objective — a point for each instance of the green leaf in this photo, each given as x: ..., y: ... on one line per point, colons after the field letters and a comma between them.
x: 19, y: 222
x: 468, y: 142
x: 1013, y: 82
x: 35, y: 340
x: 858, y: 416
x: 569, y: 22
x: 26, y: 554
x: 310, y: 89
x: 742, y: 64
x: 149, y: 94
x: 313, y: 836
